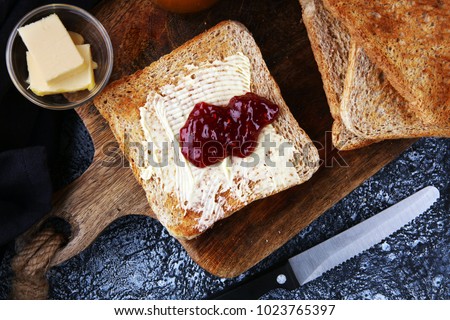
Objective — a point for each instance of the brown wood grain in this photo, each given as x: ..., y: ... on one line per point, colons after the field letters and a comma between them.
x: 141, y: 33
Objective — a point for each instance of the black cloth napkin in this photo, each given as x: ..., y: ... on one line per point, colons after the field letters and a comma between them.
x: 25, y: 189
x: 29, y: 139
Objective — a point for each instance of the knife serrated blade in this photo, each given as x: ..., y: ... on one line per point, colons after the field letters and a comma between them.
x: 313, y: 262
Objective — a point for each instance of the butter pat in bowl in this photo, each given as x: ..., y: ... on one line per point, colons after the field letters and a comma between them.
x: 73, y: 71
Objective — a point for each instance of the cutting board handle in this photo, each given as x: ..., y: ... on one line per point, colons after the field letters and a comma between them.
x: 86, y: 203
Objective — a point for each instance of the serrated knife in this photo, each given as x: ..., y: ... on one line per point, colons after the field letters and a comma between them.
x: 313, y: 262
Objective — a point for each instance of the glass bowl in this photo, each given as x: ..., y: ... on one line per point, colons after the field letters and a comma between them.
x: 74, y: 19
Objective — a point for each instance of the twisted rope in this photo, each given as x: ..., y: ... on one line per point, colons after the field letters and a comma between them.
x: 30, y: 265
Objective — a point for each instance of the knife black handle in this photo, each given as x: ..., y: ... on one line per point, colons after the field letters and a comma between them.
x: 280, y: 277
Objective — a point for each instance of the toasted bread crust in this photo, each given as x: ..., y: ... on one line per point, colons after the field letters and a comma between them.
x: 331, y: 43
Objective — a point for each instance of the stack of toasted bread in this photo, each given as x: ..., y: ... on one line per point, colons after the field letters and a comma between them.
x: 385, y: 67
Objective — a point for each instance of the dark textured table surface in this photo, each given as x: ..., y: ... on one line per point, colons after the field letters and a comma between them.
x: 135, y: 258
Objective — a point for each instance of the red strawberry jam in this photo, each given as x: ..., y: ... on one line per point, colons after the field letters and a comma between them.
x: 212, y: 133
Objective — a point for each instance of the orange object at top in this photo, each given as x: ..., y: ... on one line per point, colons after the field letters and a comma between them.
x: 184, y: 6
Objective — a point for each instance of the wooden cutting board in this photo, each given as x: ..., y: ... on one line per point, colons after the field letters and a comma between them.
x: 141, y: 33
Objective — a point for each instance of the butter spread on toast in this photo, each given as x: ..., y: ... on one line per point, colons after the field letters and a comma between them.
x: 202, y: 190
